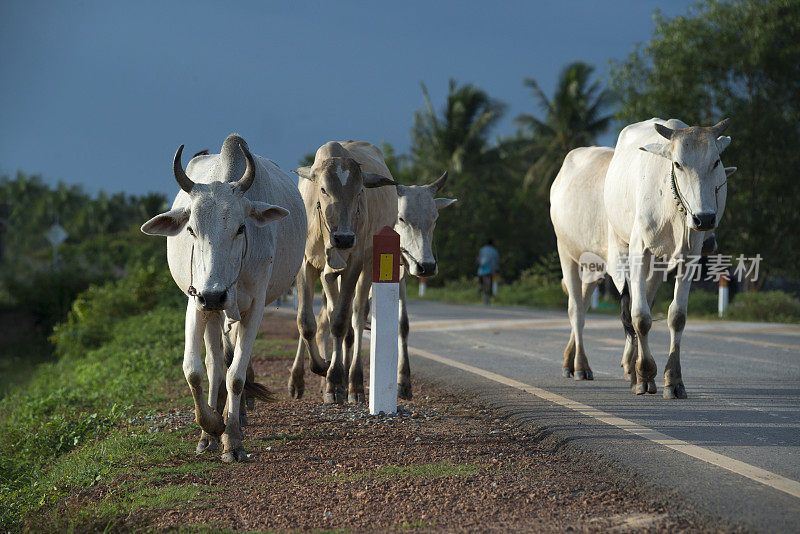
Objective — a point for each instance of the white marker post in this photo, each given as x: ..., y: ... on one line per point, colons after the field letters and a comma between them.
x: 385, y: 317
x: 722, y: 307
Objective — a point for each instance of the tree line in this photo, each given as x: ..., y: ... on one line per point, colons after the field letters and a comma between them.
x: 738, y: 59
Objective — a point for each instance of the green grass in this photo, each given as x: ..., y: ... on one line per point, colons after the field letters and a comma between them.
x: 70, y: 428
x: 275, y: 348
x: 419, y: 523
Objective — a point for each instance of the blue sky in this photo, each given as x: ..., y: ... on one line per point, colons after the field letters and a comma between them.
x: 102, y: 93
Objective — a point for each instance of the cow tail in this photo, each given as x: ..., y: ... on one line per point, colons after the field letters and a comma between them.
x: 259, y: 391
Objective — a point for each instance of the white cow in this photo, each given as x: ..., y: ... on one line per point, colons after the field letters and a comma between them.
x: 347, y: 202
x: 229, y: 260
x: 417, y: 212
x: 579, y: 220
x: 664, y: 194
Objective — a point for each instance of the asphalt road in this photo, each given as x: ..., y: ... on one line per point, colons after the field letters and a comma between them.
x: 732, y: 448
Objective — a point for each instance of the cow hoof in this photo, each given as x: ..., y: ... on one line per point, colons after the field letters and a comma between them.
x: 243, y: 421
x: 651, y: 387
x: 296, y: 390
x: 335, y: 397
x: 357, y: 398
x: 250, y: 402
x: 675, y: 392
x: 206, y: 445
x: 566, y: 373
x: 640, y: 389
x: 584, y: 375
x: 237, y: 455
x: 404, y: 391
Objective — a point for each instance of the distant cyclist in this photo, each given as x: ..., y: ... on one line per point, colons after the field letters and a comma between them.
x: 488, y: 265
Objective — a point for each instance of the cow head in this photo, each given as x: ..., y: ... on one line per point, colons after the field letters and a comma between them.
x: 699, y: 175
x: 215, y: 223
x: 339, y: 182
x: 417, y: 211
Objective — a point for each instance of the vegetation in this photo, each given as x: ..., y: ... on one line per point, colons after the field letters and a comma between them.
x: 104, y: 375
x: 573, y: 118
x: 738, y: 59
x: 104, y: 244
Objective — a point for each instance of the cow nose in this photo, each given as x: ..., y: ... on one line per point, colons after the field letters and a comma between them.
x: 343, y: 239
x: 212, y: 299
x: 427, y: 268
x: 705, y: 220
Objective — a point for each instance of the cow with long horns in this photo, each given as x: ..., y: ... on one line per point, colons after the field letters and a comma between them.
x: 235, y: 239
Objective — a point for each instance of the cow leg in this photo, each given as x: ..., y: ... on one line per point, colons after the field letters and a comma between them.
x: 403, y: 364
x: 582, y: 369
x: 631, y: 351
x: 208, y: 419
x: 673, y: 381
x: 236, y: 377
x: 646, y: 368
x: 568, y: 368
x: 577, y: 312
x: 360, y: 306
x: 340, y: 314
x: 307, y: 326
x: 323, y: 329
x: 216, y: 374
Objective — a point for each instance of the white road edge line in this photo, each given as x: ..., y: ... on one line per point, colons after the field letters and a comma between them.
x: 752, y: 472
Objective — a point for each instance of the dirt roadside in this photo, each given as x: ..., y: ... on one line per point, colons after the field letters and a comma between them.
x: 445, y: 463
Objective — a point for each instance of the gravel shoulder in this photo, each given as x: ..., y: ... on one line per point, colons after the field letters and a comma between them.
x: 444, y: 463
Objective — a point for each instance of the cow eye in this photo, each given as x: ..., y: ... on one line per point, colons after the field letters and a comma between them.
x: 677, y: 165
x: 716, y: 164
x: 189, y: 229
x: 322, y: 189
x: 240, y: 231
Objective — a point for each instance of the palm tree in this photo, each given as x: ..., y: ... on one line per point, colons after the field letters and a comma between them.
x: 459, y: 136
x: 573, y: 118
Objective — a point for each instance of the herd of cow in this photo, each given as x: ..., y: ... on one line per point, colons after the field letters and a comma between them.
x: 241, y: 232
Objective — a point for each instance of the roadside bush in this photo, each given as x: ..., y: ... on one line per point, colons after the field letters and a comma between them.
x: 82, y: 396
x: 95, y: 311
x: 46, y: 294
x: 771, y: 306
x: 118, y: 349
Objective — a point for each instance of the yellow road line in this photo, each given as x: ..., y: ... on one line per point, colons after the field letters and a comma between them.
x: 751, y: 472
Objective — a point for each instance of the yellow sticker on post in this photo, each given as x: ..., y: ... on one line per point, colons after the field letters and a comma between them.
x: 387, y: 267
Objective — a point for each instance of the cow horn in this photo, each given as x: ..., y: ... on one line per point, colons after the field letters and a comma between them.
x: 438, y: 184
x: 720, y: 127
x: 246, y: 181
x: 664, y: 131
x: 184, y: 181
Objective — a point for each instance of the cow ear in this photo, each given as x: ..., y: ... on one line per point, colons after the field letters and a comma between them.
x: 263, y: 213
x: 444, y: 202
x: 306, y: 173
x: 729, y: 170
x: 169, y: 224
x: 722, y: 143
x: 376, y: 180
x: 659, y: 149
